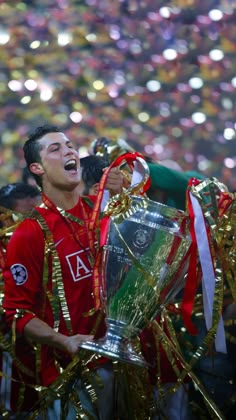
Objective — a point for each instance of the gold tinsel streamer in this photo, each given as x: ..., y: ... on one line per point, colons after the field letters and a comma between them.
x: 59, y: 388
x: 58, y: 295
x: 226, y: 244
x: 168, y: 343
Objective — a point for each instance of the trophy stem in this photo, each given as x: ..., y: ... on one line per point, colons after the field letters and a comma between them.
x: 115, y: 345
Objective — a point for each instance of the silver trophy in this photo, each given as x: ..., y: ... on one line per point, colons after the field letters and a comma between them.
x: 145, y: 260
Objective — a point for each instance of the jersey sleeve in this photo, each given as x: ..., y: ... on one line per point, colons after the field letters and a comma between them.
x: 23, y: 273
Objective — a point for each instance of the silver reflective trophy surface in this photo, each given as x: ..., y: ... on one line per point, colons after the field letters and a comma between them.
x: 145, y: 260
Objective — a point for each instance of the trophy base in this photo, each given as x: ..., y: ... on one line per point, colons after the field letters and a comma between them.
x: 115, y: 347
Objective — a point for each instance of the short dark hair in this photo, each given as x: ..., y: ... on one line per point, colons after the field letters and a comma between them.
x: 32, y: 147
x: 26, y: 174
x: 92, y: 170
x: 11, y: 192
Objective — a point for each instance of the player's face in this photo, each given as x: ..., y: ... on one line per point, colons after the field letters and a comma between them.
x: 59, y: 166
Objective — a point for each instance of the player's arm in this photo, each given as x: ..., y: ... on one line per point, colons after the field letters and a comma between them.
x: 38, y: 331
x: 23, y: 273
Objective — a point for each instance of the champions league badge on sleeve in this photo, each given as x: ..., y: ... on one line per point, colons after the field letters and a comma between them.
x: 19, y: 274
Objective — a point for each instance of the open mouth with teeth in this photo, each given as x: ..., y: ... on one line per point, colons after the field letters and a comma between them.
x: 71, y: 165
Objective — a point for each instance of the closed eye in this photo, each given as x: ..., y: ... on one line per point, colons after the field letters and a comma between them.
x: 54, y: 147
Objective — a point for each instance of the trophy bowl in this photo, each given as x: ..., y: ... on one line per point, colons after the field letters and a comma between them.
x: 145, y: 261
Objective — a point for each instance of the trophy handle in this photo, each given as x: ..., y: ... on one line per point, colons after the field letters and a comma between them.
x: 141, y: 175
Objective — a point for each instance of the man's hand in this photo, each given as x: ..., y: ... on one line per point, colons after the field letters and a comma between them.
x: 72, y: 344
x: 38, y: 331
x: 115, y: 181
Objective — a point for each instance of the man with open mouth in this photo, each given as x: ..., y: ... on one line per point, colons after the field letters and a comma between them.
x: 48, y: 295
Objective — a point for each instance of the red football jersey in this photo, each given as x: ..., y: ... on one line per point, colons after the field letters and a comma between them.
x: 23, y: 277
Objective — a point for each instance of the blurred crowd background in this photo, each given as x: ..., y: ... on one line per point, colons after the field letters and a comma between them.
x: 158, y: 74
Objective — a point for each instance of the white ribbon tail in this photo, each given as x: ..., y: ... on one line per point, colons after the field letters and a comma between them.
x: 105, y: 199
